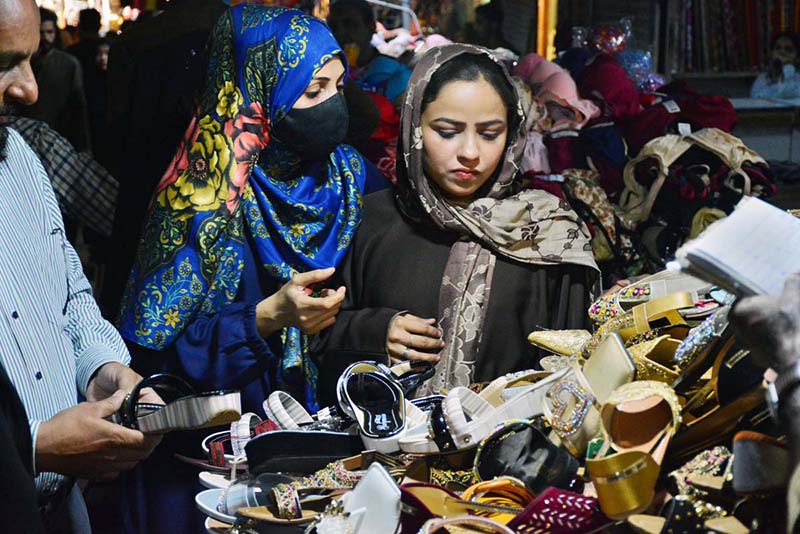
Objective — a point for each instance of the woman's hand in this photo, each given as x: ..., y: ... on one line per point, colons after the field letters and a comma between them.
x: 770, y: 325
x: 293, y: 305
x: 409, y: 332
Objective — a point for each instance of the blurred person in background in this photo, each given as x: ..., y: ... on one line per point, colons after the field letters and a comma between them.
x: 62, y: 102
x: 49, y: 33
x: 96, y: 87
x: 155, y: 69
x: 781, y: 80
x: 89, y: 23
x: 353, y: 24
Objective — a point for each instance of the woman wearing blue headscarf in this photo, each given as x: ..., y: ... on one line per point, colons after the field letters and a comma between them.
x: 259, y: 204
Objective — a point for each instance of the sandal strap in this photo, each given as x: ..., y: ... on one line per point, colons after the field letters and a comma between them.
x: 461, y: 403
x: 242, y: 431
x: 660, y: 308
x: 525, y: 402
x: 287, y: 501
x: 581, y: 391
x: 484, y: 524
x: 286, y: 411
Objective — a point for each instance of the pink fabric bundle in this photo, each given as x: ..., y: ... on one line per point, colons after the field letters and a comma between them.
x: 534, y: 159
x: 526, y: 64
x: 560, y: 88
x: 540, y: 73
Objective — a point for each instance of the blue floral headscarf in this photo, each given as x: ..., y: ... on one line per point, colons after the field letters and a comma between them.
x: 227, y: 173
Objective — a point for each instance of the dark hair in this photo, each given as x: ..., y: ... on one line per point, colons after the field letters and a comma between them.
x: 774, y: 70
x: 362, y: 6
x: 491, y: 12
x: 469, y: 68
x: 48, y: 16
x: 107, y: 40
x: 3, y: 142
x: 793, y: 37
x: 89, y: 20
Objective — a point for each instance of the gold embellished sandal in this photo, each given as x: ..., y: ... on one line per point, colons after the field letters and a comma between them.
x: 643, y: 318
x: 654, y: 359
x: 639, y: 419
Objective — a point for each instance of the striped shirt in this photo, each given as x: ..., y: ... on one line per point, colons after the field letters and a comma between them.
x: 52, y: 336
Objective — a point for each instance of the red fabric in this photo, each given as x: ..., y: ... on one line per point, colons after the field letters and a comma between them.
x: 559, y: 512
x: 762, y: 182
x: 216, y: 453
x: 699, y: 111
x: 531, y: 181
x: 604, y: 77
x: 266, y: 426
x: 382, y: 147
x: 389, y: 126
x: 565, y: 152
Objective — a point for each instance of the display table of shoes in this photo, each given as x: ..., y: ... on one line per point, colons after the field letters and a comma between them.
x: 656, y: 422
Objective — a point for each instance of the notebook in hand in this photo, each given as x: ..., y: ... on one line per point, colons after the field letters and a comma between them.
x: 750, y: 252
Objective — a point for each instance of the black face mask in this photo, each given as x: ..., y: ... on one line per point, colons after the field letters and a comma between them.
x: 312, y: 133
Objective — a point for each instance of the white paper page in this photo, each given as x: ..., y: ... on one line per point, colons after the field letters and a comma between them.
x: 758, y: 246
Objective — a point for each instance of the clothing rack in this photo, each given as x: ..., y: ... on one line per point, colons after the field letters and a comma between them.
x: 408, y: 13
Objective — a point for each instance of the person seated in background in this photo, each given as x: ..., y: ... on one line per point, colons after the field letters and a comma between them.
x: 458, y: 264
x: 62, y: 101
x: 781, y: 80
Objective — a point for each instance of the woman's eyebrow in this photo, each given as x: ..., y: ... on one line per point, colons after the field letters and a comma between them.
x: 484, y: 124
x: 449, y: 121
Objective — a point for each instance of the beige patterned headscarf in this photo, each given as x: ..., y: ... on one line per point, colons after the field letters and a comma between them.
x: 529, y: 226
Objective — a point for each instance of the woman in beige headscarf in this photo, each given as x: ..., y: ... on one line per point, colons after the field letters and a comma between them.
x: 461, y: 265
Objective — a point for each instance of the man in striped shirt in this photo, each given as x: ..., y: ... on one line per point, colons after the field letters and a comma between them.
x: 54, y: 344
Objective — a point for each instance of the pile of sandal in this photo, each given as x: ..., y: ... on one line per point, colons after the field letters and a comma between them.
x: 654, y: 423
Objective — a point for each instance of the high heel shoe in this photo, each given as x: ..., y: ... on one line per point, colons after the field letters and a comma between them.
x: 639, y: 420
x: 698, y: 350
x: 470, y: 418
x: 185, y: 409
x: 377, y: 403
x: 712, y: 415
x: 654, y: 359
x: 572, y: 404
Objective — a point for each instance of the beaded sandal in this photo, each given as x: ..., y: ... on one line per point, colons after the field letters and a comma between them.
x: 572, y: 404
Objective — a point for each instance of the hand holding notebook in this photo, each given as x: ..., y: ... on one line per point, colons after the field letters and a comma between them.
x: 750, y: 252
